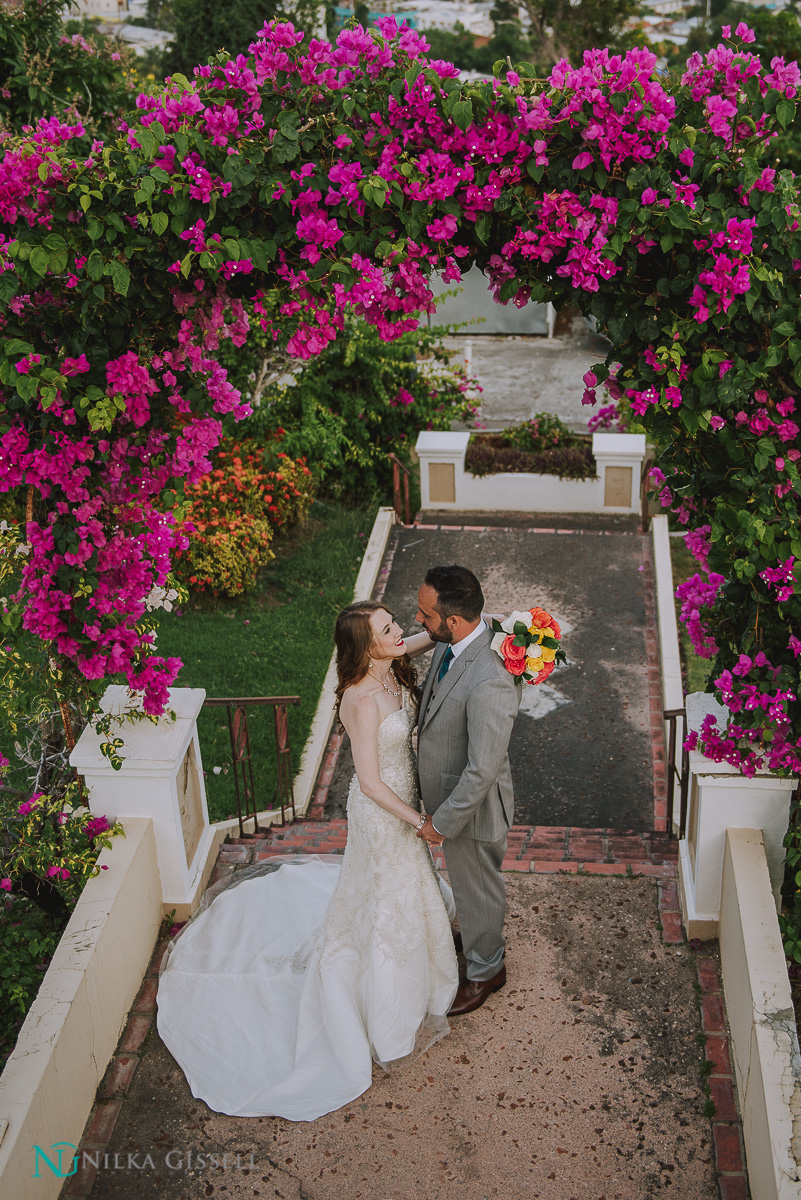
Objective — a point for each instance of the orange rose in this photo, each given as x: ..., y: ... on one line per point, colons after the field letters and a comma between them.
x: 512, y: 653
x: 540, y: 618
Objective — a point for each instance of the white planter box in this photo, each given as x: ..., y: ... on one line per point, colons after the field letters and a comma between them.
x: 445, y: 484
x: 722, y: 798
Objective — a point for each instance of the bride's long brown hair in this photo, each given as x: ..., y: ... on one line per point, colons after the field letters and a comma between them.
x: 353, y: 637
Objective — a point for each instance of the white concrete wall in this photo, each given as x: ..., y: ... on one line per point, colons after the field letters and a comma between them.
x: 107, y: 10
x: 764, y: 1042
x: 669, y: 655
x: 72, y: 1029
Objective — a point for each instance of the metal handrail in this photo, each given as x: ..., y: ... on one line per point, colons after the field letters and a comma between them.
x: 397, y: 467
x: 674, y: 775
x: 645, y: 489
x: 242, y: 759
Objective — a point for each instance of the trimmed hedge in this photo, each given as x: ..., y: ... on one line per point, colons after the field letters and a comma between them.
x: 493, y: 456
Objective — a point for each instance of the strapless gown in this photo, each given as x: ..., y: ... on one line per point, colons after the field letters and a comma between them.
x: 277, y: 999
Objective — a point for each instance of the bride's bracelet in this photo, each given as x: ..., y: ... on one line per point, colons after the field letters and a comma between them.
x: 423, y: 820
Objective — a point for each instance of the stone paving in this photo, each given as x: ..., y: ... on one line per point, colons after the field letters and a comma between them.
x: 523, y: 376
x: 601, y: 1071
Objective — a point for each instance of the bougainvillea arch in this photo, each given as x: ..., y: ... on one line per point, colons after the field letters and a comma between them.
x: 331, y: 176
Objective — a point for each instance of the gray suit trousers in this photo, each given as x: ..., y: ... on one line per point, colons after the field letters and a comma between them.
x: 481, y: 910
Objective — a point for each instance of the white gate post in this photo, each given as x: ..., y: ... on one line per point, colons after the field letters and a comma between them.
x: 721, y: 797
x: 161, y: 778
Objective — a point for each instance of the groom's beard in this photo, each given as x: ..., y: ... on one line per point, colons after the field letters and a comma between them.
x: 442, y: 634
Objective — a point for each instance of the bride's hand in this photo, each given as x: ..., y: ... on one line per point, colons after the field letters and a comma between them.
x: 429, y: 834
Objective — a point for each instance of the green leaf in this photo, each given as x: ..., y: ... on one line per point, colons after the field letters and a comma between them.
x: 678, y: 217
x: 288, y: 122
x: 264, y: 251
x: 284, y: 149
x: 94, y: 266
x: 58, y: 262
x: 120, y: 277
x: 9, y: 285
x: 40, y: 260
x: 463, y: 114
x: 483, y: 227
x: 159, y: 221
x: 785, y: 111
x: 15, y: 347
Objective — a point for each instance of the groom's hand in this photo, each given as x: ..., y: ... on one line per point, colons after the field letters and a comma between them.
x: 429, y: 834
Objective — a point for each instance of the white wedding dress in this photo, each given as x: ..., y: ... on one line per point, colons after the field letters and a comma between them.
x: 278, y: 997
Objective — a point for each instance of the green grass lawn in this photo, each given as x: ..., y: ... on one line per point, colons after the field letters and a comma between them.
x: 276, y: 642
x: 694, y: 669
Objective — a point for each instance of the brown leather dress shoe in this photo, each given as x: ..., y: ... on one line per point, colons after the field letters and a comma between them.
x: 471, y: 994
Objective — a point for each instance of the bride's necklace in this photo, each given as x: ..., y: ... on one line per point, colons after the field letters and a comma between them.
x: 386, y: 688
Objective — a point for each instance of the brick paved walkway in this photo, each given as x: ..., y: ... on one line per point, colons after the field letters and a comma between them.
x: 543, y: 848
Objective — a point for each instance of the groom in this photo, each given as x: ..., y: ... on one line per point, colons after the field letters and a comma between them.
x: 467, y: 711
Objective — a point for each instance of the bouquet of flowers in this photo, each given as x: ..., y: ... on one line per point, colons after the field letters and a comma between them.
x: 528, y: 643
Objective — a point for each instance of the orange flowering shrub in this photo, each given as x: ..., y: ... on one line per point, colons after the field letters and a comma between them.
x: 233, y: 513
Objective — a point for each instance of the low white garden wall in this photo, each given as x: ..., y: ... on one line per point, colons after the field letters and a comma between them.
x: 72, y: 1029
x: 764, y: 1041
x: 445, y: 484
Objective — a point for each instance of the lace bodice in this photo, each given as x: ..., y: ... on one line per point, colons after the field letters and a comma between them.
x: 396, y: 761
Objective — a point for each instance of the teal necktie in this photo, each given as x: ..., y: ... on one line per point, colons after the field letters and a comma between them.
x: 447, y: 659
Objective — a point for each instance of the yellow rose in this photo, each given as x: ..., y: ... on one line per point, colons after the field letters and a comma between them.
x: 548, y: 654
x: 534, y: 665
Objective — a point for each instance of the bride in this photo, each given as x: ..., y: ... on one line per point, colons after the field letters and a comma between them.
x: 279, y: 996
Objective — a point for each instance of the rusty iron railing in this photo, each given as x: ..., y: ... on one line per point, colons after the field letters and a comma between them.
x: 645, y: 487
x: 239, y: 733
x: 397, y: 468
x: 674, y: 774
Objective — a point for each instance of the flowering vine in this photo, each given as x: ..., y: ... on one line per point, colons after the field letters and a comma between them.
x: 339, y: 177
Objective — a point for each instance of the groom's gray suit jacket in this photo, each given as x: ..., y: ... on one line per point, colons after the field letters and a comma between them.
x: 464, y: 727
